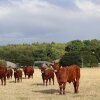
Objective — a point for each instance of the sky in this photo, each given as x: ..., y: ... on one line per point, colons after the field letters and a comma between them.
x: 28, y: 21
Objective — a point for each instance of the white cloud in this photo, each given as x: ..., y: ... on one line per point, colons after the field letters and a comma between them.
x: 4, y: 11
x: 26, y: 20
x: 88, y: 7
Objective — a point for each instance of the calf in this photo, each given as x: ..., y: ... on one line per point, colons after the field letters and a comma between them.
x: 28, y: 70
x: 67, y: 74
x: 17, y: 74
x: 9, y: 73
x: 3, y: 72
x: 47, y: 74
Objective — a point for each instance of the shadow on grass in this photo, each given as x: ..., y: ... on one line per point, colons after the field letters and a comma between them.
x: 14, y: 82
x: 50, y: 91
x: 38, y: 84
x: 11, y: 81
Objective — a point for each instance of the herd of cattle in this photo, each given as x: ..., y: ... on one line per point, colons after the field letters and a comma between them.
x: 63, y: 74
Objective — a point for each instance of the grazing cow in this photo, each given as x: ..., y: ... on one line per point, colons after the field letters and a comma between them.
x: 47, y: 74
x: 3, y: 72
x: 28, y: 70
x: 17, y: 74
x: 9, y: 73
x: 67, y: 74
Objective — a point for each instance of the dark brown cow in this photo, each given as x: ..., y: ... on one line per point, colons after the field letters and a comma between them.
x: 9, y: 73
x: 47, y: 74
x: 3, y: 72
x: 67, y: 74
x: 28, y: 70
x: 17, y: 74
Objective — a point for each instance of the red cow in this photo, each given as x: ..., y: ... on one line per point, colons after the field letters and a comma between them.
x: 67, y: 74
x: 28, y: 70
x: 17, y: 74
x: 3, y: 72
x: 9, y: 73
x: 47, y: 74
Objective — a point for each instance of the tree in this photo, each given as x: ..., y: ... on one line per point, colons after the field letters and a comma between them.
x: 70, y: 58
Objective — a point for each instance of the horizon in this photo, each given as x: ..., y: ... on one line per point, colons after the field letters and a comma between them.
x: 44, y: 42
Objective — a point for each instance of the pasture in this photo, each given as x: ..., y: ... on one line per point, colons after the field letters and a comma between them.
x: 32, y: 89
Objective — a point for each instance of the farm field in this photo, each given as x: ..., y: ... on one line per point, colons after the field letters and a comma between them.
x: 32, y: 89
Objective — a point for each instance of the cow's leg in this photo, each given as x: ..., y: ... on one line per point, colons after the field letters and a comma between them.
x: 53, y: 80
x: 1, y: 81
x: 25, y: 76
x: 46, y: 82
x: 28, y: 76
x: 64, y: 87
x: 5, y: 80
x: 43, y: 82
x: 15, y: 80
x: 77, y: 85
x: 21, y: 79
x: 50, y: 81
x: 74, y: 83
x: 60, y: 87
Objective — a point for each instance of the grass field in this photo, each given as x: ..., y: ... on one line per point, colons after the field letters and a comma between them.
x: 32, y: 89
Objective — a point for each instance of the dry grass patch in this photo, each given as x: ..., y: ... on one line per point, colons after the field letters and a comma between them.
x: 32, y: 89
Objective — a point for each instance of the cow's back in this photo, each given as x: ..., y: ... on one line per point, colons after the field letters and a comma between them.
x: 68, y: 74
x: 49, y: 72
x: 29, y: 70
x: 73, y: 73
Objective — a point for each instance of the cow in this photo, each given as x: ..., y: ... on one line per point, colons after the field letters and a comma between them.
x: 17, y: 74
x: 28, y: 70
x: 3, y: 72
x: 47, y: 74
x: 66, y: 74
x: 9, y: 73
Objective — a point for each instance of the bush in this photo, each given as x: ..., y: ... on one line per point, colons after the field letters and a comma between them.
x: 3, y: 62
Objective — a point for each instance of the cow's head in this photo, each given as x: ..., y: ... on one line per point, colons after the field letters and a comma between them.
x: 56, y: 67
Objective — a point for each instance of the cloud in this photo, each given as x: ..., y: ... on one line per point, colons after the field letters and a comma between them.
x: 44, y: 21
x: 88, y: 7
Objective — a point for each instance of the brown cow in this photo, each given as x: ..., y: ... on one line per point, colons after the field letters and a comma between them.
x: 9, y: 73
x: 28, y: 70
x: 3, y: 72
x: 67, y: 74
x: 47, y: 74
x: 17, y: 74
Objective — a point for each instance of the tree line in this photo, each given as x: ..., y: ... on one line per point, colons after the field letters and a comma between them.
x: 26, y: 54
x: 85, y: 53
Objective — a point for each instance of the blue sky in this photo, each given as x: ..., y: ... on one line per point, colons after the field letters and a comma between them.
x: 27, y: 21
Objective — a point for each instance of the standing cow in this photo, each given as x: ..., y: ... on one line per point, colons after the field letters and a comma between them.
x: 9, y: 73
x: 17, y: 74
x: 67, y: 74
x: 3, y: 72
x: 47, y: 74
x: 29, y: 70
